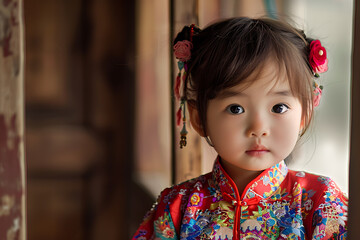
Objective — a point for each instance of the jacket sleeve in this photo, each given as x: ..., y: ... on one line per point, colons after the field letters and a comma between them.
x: 329, y: 219
x: 157, y: 223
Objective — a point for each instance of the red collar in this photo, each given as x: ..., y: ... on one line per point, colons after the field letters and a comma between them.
x: 263, y: 186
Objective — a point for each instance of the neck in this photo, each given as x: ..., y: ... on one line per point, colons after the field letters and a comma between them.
x: 240, y: 177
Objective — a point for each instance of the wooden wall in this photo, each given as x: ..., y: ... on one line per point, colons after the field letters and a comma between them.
x: 80, y: 117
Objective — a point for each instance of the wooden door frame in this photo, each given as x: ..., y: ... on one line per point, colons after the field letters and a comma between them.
x: 354, y: 176
x: 12, y: 157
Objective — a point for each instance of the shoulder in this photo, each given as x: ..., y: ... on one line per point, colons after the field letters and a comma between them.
x: 184, y: 189
x: 166, y: 213
x: 313, y: 181
x: 174, y: 200
x: 319, y: 192
x: 317, y: 189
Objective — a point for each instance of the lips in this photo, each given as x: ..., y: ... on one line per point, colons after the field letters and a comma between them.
x: 257, y: 151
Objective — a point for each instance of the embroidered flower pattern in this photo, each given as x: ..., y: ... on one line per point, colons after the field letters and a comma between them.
x: 163, y: 226
x: 196, y: 199
x: 330, y: 217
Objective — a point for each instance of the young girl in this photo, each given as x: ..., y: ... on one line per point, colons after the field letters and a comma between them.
x: 249, y: 85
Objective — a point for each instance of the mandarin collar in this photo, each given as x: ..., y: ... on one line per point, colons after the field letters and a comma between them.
x: 263, y: 186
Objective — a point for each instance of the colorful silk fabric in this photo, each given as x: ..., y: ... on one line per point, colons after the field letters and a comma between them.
x: 278, y: 204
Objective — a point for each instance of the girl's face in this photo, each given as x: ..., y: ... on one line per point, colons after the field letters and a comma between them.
x: 255, y: 127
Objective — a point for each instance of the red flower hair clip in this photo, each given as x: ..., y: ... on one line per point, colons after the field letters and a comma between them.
x: 319, y: 64
x: 182, y: 50
x: 318, y: 57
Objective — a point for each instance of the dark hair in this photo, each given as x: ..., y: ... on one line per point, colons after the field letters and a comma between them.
x: 228, y: 52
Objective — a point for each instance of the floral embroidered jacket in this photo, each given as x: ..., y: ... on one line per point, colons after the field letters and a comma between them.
x: 278, y: 204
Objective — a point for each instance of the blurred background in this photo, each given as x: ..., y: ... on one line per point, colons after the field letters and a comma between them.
x: 101, y: 142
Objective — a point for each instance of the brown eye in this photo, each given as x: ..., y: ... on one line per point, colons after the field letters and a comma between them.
x: 235, y: 109
x: 280, y: 108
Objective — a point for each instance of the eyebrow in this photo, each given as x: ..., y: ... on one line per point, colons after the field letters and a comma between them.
x: 281, y: 93
x: 229, y: 93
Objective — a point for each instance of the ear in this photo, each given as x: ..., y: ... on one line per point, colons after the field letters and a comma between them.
x: 195, y: 120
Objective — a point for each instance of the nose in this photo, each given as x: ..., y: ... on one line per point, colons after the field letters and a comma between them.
x: 257, y: 127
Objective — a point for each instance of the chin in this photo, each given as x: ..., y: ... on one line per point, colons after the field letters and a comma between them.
x: 260, y: 165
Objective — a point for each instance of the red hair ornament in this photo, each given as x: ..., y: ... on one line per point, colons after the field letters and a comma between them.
x: 182, y: 51
x: 318, y: 57
x: 319, y: 64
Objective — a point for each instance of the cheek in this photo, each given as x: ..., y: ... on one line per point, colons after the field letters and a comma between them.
x: 223, y: 130
x: 217, y: 130
x: 288, y: 131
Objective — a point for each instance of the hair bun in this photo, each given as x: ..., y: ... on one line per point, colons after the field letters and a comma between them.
x: 185, y: 34
x: 303, y: 35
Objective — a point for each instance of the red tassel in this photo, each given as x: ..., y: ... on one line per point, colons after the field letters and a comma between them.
x: 184, y: 76
x: 177, y: 86
x: 178, y: 116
